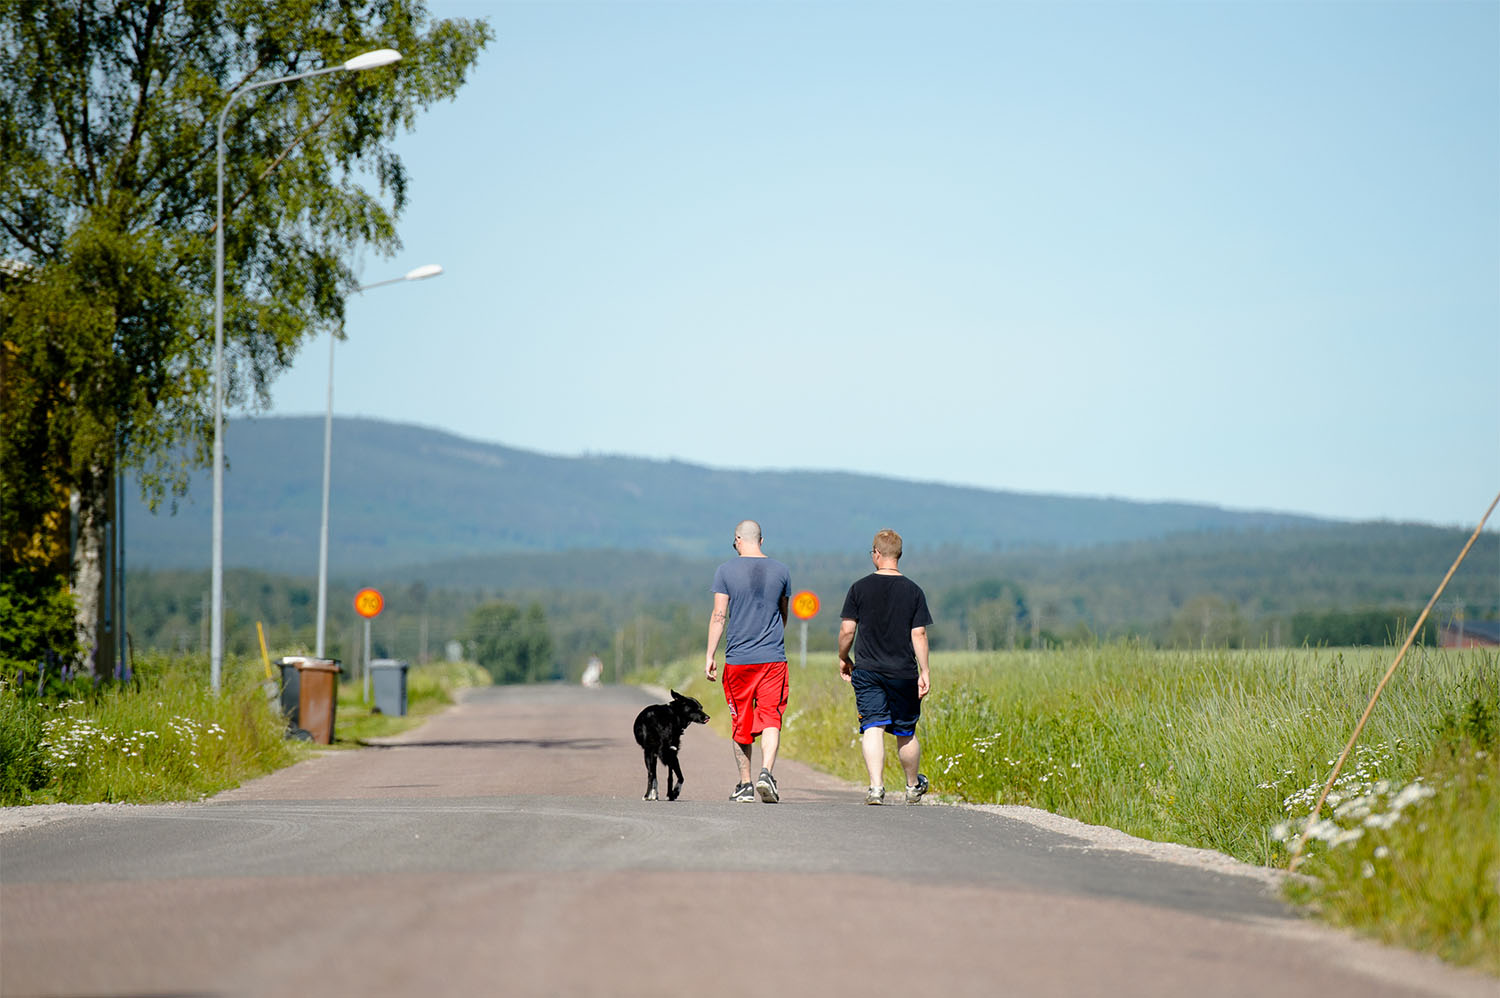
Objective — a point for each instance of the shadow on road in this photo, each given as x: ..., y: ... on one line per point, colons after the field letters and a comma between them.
x: 582, y: 744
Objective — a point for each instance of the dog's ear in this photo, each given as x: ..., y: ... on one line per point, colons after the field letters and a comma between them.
x: 677, y: 696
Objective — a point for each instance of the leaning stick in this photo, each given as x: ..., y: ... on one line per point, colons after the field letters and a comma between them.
x: 1417, y: 629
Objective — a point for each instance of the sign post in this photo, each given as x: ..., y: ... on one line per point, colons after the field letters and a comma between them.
x: 805, y: 606
x: 368, y: 603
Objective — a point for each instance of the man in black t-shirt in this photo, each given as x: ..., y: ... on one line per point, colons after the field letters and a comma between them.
x: 885, y: 620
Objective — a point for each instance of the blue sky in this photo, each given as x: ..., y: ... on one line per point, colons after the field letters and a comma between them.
x: 1245, y: 254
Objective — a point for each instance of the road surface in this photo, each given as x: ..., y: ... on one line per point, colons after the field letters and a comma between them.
x: 503, y: 849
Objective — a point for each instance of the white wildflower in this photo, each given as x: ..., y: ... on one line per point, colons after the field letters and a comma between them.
x: 1410, y: 794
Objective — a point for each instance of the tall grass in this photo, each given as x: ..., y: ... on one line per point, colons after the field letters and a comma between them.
x: 164, y: 737
x: 1222, y: 750
x: 1420, y: 864
x: 167, y: 737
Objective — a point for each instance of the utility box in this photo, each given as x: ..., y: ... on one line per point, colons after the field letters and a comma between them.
x: 388, y: 679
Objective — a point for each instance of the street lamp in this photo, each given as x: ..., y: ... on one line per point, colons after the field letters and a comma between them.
x: 417, y: 274
x: 368, y: 60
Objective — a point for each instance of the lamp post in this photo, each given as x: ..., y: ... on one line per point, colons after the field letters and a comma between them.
x: 369, y: 60
x: 418, y: 274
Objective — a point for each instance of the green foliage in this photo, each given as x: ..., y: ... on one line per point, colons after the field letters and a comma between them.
x: 436, y: 685
x: 1207, y: 622
x: 990, y: 613
x: 36, y: 621
x: 1477, y: 723
x: 1358, y: 628
x: 165, y: 737
x: 54, y: 331
x: 22, y: 764
x: 514, y: 647
x: 109, y: 114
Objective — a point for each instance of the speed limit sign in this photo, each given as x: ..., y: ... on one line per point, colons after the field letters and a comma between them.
x: 805, y: 605
x: 368, y: 603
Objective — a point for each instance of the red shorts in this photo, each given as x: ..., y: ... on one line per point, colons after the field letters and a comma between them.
x: 756, y: 695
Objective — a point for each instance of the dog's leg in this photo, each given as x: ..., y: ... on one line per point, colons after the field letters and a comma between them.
x: 650, y: 776
x: 669, y: 756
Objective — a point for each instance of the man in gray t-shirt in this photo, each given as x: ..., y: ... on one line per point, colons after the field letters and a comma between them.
x: 751, y: 594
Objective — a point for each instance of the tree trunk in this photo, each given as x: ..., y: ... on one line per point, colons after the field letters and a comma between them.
x: 91, y: 565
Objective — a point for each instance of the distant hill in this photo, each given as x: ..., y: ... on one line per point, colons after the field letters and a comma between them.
x: 405, y: 495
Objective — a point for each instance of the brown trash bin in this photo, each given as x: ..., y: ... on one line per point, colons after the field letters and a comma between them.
x: 317, y: 697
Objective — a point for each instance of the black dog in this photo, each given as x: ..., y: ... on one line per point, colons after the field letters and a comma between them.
x: 658, y: 730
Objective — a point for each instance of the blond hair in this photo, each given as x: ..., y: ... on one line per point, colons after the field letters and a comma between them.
x: 888, y: 544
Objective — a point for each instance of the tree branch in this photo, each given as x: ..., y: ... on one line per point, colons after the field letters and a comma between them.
x: 274, y: 164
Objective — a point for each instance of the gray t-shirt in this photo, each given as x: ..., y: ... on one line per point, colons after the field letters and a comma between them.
x: 754, y: 631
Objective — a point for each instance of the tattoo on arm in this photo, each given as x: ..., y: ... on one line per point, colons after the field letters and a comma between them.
x: 719, y: 616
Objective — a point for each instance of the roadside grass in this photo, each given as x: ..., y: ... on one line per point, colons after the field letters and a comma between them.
x: 1430, y: 881
x: 163, y: 737
x: 1224, y: 750
x: 167, y: 737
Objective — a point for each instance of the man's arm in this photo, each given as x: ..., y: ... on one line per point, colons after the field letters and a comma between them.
x: 846, y: 645
x: 716, y: 621
x: 919, y: 645
x: 785, y: 602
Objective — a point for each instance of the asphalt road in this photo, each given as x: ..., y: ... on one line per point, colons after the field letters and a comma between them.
x: 503, y: 848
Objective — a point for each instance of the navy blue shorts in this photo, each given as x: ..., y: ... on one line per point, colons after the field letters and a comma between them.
x: 886, y: 702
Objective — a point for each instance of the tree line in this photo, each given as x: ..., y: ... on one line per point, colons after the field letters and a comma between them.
x: 527, y: 634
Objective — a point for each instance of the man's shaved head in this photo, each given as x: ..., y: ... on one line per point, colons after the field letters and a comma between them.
x: 748, y: 530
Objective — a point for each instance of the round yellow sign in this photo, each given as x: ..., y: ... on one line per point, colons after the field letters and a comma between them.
x: 805, y: 604
x: 368, y: 602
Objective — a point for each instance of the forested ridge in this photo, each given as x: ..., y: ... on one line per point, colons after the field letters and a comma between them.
x: 1285, y: 587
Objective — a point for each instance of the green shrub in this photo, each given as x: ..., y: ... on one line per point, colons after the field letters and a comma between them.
x: 36, y: 626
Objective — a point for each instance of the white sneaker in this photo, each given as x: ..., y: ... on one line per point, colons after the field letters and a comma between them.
x: 914, y: 793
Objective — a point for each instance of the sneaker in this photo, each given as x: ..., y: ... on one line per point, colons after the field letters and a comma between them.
x: 914, y: 794
x: 765, y: 787
x: 744, y: 793
x: 875, y: 795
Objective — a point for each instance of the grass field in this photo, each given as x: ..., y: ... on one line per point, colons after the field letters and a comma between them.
x: 1227, y: 751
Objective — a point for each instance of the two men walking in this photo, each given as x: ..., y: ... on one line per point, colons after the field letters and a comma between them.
x: 884, y: 624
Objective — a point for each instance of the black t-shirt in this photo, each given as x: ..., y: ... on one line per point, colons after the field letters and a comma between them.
x: 886, y: 608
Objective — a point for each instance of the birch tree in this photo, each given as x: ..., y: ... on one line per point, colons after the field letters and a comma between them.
x: 108, y: 117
